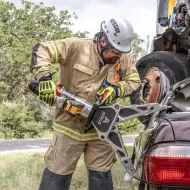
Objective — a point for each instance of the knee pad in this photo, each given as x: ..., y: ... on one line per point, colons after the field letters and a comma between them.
x: 100, y: 180
x: 52, y: 181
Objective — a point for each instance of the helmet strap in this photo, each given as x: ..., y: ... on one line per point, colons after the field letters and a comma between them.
x: 102, y: 48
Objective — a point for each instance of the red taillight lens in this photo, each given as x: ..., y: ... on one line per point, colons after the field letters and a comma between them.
x: 168, y: 164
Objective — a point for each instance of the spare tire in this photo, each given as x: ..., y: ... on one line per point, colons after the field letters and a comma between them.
x: 158, y: 71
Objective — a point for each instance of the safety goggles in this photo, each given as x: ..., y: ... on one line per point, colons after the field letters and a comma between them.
x: 115, y: 51
x: 112, y: 49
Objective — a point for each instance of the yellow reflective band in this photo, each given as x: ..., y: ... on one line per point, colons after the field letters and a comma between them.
x: 74, y: 134
x: 122, y: 86
x: 53, y: 51
x: 39, y: 69
x: 132, y: 76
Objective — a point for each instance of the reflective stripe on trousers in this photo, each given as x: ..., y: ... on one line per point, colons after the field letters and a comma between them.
x: 74, y: 134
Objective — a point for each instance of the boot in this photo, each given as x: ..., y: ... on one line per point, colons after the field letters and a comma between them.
x: 52, y: 181
x: 100, y: 180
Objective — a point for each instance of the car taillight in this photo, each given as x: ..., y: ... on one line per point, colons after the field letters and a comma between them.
x: 169, y: 164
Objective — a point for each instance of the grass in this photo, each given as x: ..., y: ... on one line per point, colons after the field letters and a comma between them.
x: 22, y: 171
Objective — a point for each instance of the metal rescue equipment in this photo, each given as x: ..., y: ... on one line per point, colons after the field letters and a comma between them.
x: 105, y: 119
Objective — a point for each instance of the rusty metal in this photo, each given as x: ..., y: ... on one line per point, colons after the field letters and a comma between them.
x: 150, y: 90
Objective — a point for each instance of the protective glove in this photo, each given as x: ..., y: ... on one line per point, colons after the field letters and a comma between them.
x: 47, y: 90
x: 73, y: 107
x: 108, y: 94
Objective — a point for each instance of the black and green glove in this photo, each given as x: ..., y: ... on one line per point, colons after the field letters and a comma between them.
x: 108, y: 94
x: 47, y: 90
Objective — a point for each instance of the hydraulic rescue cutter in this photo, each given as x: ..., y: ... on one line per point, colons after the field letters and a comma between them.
x: 105, y: 119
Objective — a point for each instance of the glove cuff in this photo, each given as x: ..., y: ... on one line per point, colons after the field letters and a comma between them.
x: 117, y: 90
x: 46, y: 77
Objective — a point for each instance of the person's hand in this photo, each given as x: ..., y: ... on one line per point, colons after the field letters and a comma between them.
x: 47, y: 90
x: 107, y: 95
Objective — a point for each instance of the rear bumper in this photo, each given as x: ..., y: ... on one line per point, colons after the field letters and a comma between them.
x: 138, y: 185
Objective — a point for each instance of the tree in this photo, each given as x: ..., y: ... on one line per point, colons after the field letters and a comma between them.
x: 20, y: 29
x: 22, y: 115
x: 136, y: 46
x: 146, y: 48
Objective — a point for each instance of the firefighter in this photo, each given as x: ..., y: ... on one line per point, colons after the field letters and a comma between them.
x: 88, y: 68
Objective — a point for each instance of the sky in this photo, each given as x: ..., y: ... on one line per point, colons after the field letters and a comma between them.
x: 141, y: 13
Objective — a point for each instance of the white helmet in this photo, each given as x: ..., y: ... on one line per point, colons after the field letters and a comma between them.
x: 119, y: 33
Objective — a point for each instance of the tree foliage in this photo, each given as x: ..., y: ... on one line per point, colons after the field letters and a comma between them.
x: 131, y: 126
x: 20, y: 29
x: 137, y: 49
x: 17, y: 121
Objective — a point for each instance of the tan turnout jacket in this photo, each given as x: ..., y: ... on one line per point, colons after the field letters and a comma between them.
x: 80, y: 73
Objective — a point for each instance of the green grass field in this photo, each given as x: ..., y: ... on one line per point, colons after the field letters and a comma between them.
x: 22, y: 171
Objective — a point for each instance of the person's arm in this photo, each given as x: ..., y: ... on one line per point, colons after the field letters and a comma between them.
x: 46, y: 53
x: 43, y: 55
x: 129, y: 83
x: 130, y: 80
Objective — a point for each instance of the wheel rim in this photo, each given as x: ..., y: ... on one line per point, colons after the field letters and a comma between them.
x: 151, y: 89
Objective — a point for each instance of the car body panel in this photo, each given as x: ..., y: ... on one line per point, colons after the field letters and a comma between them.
x: 171, y: 128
